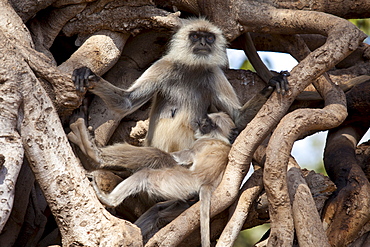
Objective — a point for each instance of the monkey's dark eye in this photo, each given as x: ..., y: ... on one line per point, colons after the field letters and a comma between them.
x: 194, y: 37
x: 210, y: 39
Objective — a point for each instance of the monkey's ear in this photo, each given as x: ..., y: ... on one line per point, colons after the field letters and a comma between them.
x: 180, y: 23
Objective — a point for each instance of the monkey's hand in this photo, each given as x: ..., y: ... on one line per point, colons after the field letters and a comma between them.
x: 280, y: 82
x: 205, y: 125
x: 233, y: 135
x: 84, y: 78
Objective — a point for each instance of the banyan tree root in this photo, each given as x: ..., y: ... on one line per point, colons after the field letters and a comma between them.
x: 277, y: 156
x: 348, y: 210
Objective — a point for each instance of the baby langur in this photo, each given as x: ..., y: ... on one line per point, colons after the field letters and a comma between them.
x: 208, y: 158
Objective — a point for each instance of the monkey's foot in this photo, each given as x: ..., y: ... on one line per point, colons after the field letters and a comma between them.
x: 80, y: 136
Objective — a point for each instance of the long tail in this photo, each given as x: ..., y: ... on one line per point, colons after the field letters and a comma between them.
x: 205, y: 207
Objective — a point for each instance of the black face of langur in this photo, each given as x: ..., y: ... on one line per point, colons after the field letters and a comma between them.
x: 202, y: 42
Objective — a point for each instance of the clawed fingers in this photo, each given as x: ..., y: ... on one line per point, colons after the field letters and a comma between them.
x: 280, y: 82
x: 82, y: 77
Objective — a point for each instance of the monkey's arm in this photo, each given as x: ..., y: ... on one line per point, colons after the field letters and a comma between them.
x: 121, y: 101
x: 251, y: 52
x: 225, y: 98
x: 267, y: 76
x: 251, y: 107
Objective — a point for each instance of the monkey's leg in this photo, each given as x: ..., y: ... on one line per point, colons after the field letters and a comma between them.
x: 124, y: 156
x: 118, y: 157
x: 132, y: 185
x: 166, y: 183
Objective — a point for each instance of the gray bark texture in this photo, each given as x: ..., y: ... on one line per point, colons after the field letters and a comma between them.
x: 45, y: 195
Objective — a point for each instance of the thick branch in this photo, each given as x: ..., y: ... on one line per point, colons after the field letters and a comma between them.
x: 348, y: 9
x: 24, y: 185
x: 11, y: 149
x: 26, y: 9
x: 279, y: 148
x: 12, y: 26
x: 64, y: 94
x: 250, y: 193
x: 349, y: 210
x: 99, y: 52
x: 121, y: 16
x: 59, y: 173
x: 46, y: 26
x: 307, y: 222
x: 56, y: 169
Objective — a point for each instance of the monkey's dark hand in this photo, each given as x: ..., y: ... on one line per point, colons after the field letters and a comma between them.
x: 280, y: 82
x: 84, y: 78
x: 233, y: 135
x: 206, y: 125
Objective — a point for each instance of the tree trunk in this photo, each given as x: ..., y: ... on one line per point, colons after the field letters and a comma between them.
x: 43, y: 42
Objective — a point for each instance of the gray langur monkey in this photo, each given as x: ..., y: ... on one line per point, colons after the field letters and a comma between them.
x: 179, y: 175
x: 186, y: 84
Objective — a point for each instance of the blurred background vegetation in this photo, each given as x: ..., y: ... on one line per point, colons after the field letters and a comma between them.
x: 308, y: 152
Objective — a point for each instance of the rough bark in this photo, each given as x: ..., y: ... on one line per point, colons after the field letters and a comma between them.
x: 67, y: 178
x: 115, y: 40
x: 51, y: 158
x: 288, y: 130
x: 347, y: 211
x: 23, y: 189
x: 99, y: 52
x: 348, y: 173
x: 11, y: 155
x: 59, y: 173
